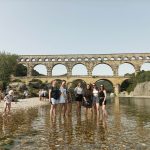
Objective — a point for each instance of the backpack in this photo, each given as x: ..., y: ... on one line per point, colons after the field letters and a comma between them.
x: 55, y: 93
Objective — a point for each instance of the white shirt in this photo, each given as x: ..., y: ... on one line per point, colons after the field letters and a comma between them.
x: 8, y: 98
x: 79, y: 90
x: 95, y: 92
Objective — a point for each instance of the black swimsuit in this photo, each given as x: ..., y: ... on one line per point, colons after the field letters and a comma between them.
x: 101, y: 98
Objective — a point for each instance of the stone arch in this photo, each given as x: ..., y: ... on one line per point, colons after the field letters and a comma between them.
x: 107, y: 84
x: 59, y: 70
x: 104, y: 67
x: 39, y: 70
x: 78, y: 68
x: 21, y: 70
x: 75, y: 83
x: 126, y: 68
x: 125, y: 84
x: 145, y: 66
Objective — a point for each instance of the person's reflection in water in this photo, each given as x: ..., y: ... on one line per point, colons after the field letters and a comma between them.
x: 5, y: 125
x: 68, y: 127
x: 101, y: 129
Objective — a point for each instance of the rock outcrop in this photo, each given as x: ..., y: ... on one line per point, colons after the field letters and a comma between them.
x: 141, y: 89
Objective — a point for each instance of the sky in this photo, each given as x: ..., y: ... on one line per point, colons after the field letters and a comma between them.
x: 74, y: 26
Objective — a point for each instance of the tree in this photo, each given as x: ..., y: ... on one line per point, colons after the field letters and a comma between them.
x: 8, y: 63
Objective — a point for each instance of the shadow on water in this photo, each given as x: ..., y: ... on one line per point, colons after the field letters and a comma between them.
x: 127, y: 127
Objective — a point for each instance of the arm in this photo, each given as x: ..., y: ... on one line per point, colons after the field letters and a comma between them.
x: 50, y: 95
x: 104, y: 95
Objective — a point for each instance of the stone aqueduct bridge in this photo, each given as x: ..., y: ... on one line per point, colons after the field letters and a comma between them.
x: 89, y: 60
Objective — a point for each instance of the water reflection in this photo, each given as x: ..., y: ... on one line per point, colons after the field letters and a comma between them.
x: 128, y: 125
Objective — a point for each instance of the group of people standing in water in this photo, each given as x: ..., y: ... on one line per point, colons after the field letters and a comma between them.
x: 91, y: 97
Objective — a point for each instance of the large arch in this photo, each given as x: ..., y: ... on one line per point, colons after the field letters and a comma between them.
x: 125, y: 85
x: 126, y: 68
x: 21, y: 70
x: 39, y: 70
x: 59, y: 70
x: 73, y: 84
x: 79, y: 69
x: 145, y: 66
x: 107, y: 84
x: 102, y: 69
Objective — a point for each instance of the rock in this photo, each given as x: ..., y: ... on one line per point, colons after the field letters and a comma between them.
x: 142, y: 89
x: 141, y: 146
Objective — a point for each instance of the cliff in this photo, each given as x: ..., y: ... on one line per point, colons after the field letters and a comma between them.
x: 141, y: 89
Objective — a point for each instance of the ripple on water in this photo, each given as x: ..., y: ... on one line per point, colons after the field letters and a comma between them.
x: 128, y: 127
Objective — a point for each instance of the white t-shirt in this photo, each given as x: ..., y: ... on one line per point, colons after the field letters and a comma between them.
x: 95, y: 92
x: 8, y: 98
x: 78, y: 90
x: 63, y: 95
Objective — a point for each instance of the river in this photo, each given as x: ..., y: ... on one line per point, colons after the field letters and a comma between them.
x: 127, y: 128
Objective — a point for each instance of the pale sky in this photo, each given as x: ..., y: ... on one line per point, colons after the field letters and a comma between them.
x: 74, y: 26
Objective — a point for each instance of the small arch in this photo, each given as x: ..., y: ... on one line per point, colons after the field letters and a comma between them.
x: 21, y: 59
x: 33, y: 59
x: 59, y: 59
x: 105, y: 58
x: 46, y: 59
x: 53, y: 59
x: 119, y: 58
x: 40, y: 59
x: 133, y: 58
x: 39, y: 70
x: 27, y: 60
x: 92, y: 59
x: 86, y: 59
x: 66, y: 59
x: 145, y: 66
x: 79, y: 59
x: 147, y: 57
x: 59, y: 70
x: 102, y: 69
x: 99, y: 59
x: 79, y: 69
x: 125, y: 58
x: 126, y: 68
x: 112, y: 58
x: 140, y: 58
x: 72, y: 59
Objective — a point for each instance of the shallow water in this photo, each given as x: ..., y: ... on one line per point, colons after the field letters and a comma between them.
x: 127, y: 128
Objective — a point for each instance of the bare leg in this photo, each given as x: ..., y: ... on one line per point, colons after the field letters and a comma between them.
x: 105, y: 115
x: 65, y: 108
x: 53, y: 110
x: 97, y: 108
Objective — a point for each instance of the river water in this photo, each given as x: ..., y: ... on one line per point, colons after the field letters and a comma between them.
x: 127, y: 128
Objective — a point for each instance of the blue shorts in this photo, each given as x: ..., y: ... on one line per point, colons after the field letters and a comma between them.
x: 95, y: 99
x: 54, y: 101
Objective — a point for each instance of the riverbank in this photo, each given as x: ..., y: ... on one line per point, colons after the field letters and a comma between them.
x: 136, y: 96
x: 24, y: 104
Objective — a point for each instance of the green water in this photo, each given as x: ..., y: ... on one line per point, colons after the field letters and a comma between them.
x: 127, y: 128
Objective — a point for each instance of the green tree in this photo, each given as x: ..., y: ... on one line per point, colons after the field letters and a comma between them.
x: 8, y: 63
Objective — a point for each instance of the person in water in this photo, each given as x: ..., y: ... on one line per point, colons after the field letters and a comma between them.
x: 54, y: 95
x: 88, y: 95
x: 102, y: 101
x: 78, y: 97
x: 63, y: 98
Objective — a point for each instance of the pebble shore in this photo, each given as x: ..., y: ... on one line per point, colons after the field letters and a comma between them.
x: 24, y: 104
